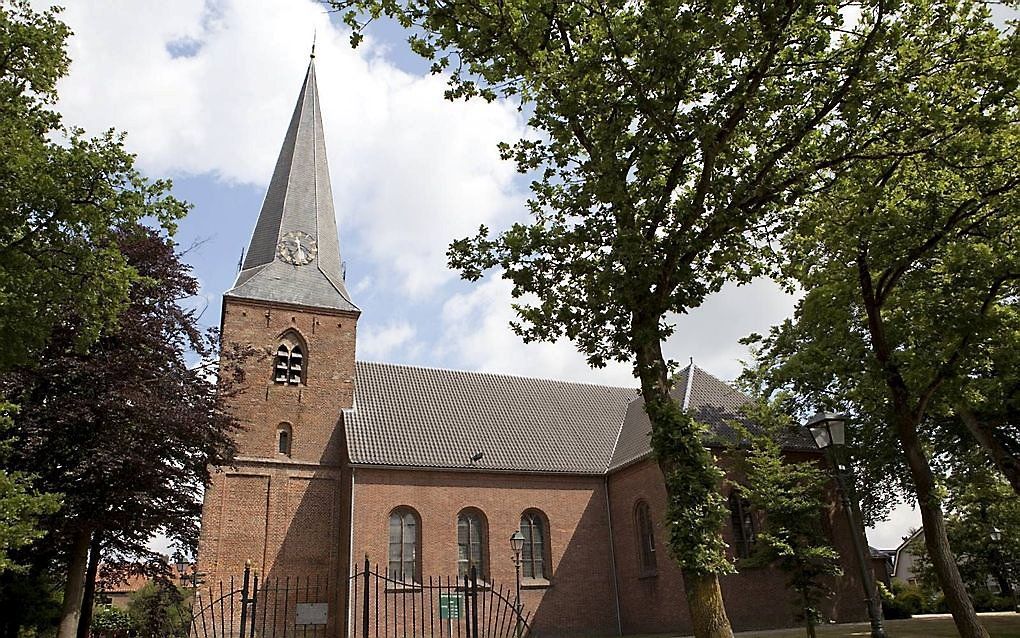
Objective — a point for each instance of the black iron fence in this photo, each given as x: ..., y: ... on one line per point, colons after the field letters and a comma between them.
x: 376, y: 606
x: 285, y: 607
x: 435, y: 608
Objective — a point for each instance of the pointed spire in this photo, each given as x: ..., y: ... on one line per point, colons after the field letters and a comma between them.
x: 298, y: 206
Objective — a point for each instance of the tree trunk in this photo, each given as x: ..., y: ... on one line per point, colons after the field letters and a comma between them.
x: 935, y: 538
x: 89, y: 596
x: 687, y: 452
x: 905, y: 421
x: 75, y: 584
x: 1007, y: 462
x: 708, y: 613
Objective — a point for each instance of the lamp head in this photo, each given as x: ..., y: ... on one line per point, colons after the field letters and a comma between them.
x: 828, y: 429
x: 517, y: 543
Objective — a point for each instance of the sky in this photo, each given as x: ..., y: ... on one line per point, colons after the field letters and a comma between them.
x: 205, y: 90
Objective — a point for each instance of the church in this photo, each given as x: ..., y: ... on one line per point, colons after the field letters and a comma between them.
x: 428, y: 472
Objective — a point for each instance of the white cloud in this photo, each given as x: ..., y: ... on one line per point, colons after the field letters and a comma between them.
x: 382, y: 343
x: 410, y: 171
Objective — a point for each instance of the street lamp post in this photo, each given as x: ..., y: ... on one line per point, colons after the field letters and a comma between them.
x: 517, y: 546
x: 828, y: 431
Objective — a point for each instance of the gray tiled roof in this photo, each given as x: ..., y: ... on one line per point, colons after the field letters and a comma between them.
x: 299, y: 199
x: 713, y: 402
x: 425, y: 417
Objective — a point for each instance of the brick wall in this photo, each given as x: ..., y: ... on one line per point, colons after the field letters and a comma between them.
x: 578, y: 599
x: 283, y: 513
x: 755, y: 598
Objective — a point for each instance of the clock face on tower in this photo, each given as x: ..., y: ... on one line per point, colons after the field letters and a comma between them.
x: 296, y: 248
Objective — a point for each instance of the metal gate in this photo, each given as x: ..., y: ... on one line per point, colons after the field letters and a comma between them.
x: 378, y: 607
x: 382, y: 607
x: 284, y: 607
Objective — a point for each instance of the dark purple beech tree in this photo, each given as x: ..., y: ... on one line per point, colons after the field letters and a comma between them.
x: 127, y: 430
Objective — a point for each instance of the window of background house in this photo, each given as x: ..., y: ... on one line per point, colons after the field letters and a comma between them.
x: 646, y: 538
x: 743, y: 524
x: 533, y: 556
x: 472, y: 543
x: 404, y: 545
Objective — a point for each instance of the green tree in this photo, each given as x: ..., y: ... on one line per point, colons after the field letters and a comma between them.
x: 910, y: 263
x: 979, y: 507
x: 111, y: 622
x: 670, y: 139
x: 21, y: 506
x: 792, y: 496
x: 63, y: 196
x: 160, y: 610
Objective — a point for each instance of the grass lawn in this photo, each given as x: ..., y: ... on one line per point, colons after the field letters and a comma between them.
x: 999, y: 625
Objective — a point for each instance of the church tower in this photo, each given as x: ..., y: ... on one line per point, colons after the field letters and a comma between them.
x: 281, y: 506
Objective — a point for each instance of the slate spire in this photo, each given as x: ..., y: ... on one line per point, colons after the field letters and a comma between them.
x: 294, y: 253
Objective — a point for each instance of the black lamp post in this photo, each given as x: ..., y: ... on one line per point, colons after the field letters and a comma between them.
x: 828, y: 430
x: 996, y: 537
x: 517, y: 546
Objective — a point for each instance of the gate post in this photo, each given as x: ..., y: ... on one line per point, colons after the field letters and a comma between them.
x: 474, y: 600
x: 468, y: 606
x: 254, y: 603
x: 244, y: 597
x: 364, y: 602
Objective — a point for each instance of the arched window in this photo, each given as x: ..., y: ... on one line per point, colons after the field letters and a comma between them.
x: 646, y: 537
x: 743, y: 524
x: 284, y: 438
x: 404, y: 544
x: 533, y: 557
x: 472, y: 543
x: 290, y: 361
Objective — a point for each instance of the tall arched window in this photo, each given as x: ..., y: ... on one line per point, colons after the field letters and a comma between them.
x: 290, y: 361
x: 284, y: 438
x: 405, y: 542
x: 646, y: 537
x: 472, y: 543
x: 533, y: 556
x: 743, y: 524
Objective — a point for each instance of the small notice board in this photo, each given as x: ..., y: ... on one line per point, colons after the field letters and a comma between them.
x: 450, y: 606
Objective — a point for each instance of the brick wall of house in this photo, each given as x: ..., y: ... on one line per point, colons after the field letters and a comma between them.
x: 284, y: 513
x: 578, y: 599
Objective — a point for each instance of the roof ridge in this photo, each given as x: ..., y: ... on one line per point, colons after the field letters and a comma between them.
x: 499, y: 374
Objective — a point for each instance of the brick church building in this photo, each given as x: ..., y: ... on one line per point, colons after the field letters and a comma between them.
x: 427, y: 471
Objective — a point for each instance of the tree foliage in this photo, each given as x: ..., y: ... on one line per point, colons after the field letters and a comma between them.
x: 668, y: 138
x: 128, y: 429
x: 792, y: 496
x: 63, y: 197
x: 910, y: 261
x: 21, y: 506
x: 160, y: 610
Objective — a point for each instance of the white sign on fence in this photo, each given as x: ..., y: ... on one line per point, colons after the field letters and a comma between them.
x: 312, y: 613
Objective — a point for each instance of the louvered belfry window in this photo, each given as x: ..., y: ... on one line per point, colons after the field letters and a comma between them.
x: 289, y: 366
x: 470, y: 543
x: 404, y: 544
x: 533, y: 554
